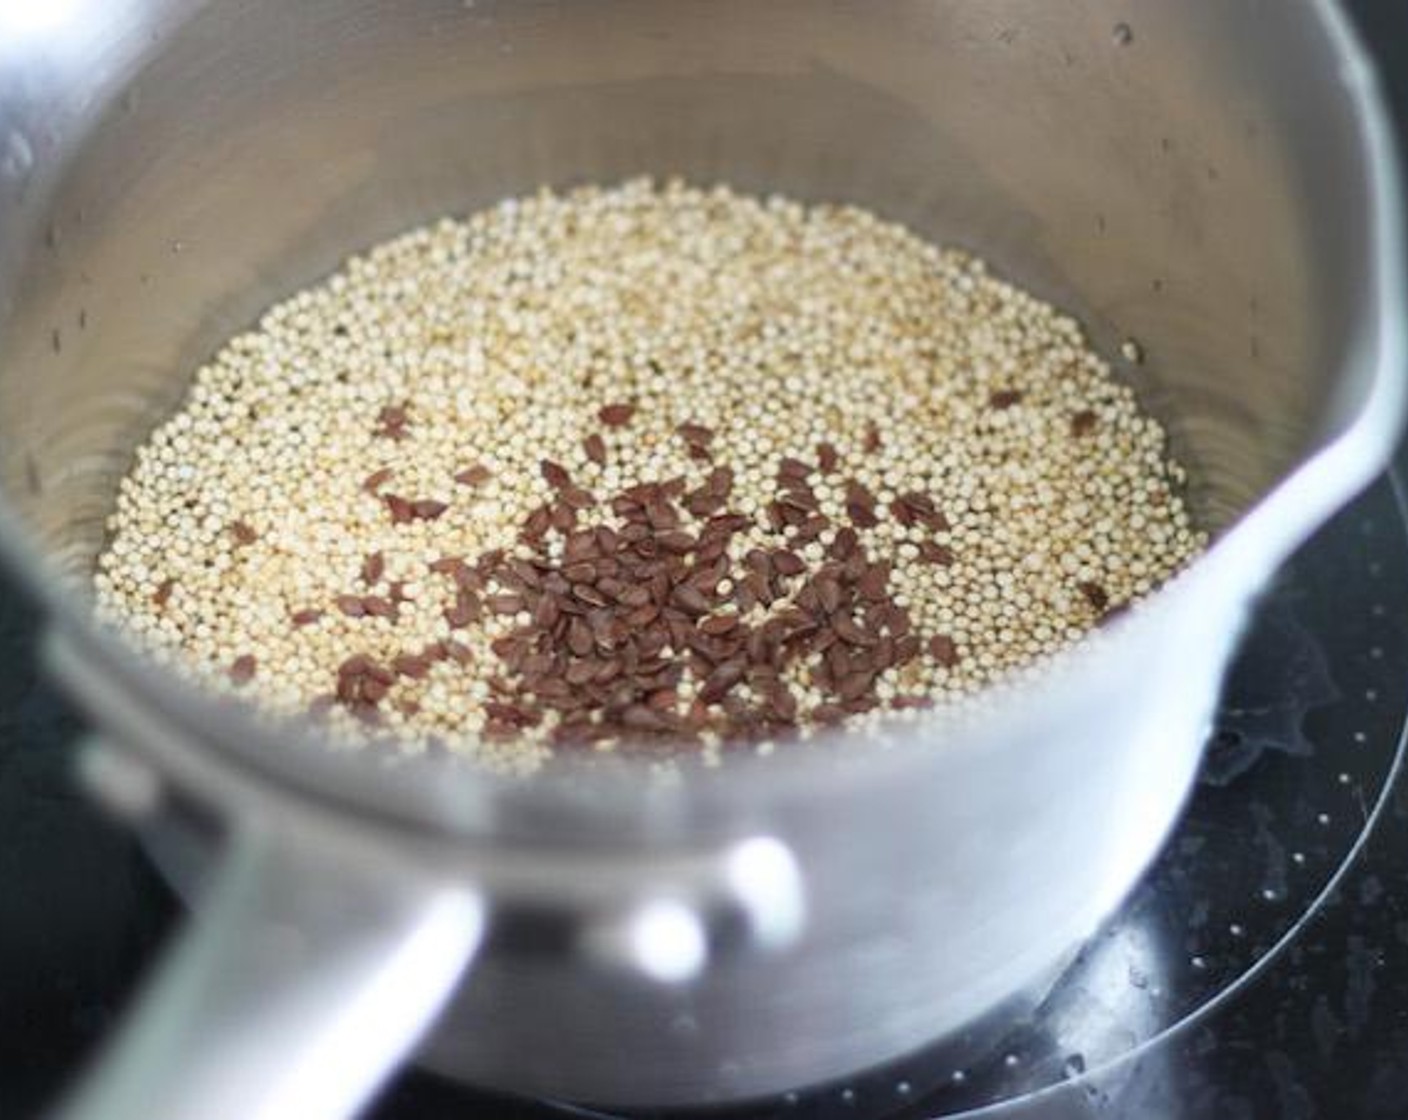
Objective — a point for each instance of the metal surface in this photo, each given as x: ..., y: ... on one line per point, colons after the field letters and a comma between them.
x: 1221, y: 191
x: 308, y: 974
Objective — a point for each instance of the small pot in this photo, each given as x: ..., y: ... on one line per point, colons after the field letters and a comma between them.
x: 1206, y: 177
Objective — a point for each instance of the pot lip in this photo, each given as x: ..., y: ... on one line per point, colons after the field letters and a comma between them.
x: 466, y: 803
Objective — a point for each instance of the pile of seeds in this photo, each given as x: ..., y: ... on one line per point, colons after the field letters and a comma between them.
x: 638, y: 467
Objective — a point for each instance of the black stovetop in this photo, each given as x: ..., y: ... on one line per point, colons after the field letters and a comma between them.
x: 1260, y: 971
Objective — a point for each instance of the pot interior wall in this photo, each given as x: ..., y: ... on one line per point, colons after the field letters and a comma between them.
x: 1182, y: 176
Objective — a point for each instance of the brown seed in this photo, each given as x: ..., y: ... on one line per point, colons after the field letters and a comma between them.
x: 858, y: 493
x: 554, y: 474
x: 854, y: 685
x: 582, y: 572
x: 852, y: 634
x: 872, y: 584
x: 642, y: 616
x: 827, y: 457
x: 393, y: 416
x: 728, y: 523
x: 476, y: 475
x: 616, y: 415
x: 802, y: 500
x: 579, y: 638
x: 862, y: 516
x: 589, y: 595
x: 828, y: 593
x: 718, y: 683
x: 663, y: 699
x: 919, y: 502
x: 676, y: 541
x: 373, y: 568
x: 788, y: 563
x: 546, y: 613
x: 844, y: 544
x: 641, y: 717
x: 1083, y: 423
x: 943, y: 649
x: 595, y: 448
x: 873, y: 442
x: 1004, y: 398
x: 505, y: 604
x: 537, y: 523
x: 458, y: 652
x: 634, y: 596
x: 581, y: 672
x: 377, y: 607
x: 400, y: 509
x: 428, y: 509
x: 162, y: 595
x: 718, y: 624
x: 762, y: 646
x: 465, y: 611
x: 305, y: 617
x: 690, y: 600
x: 702, y: 504
x: 351, y: 605
x: 1119, y: 610
x: 661, y: 515
x: 793, y: 470
x: 931, y: 552
x: 577, y: 498
x: 242, y: 668
x: 448, y: 566
x: 812, y: 528
x: 1096, y: 596
x: 243, y: 532
x: 695, y: 434
x: 359, y: 664
x: 374, y: 481
x: 411, y: 665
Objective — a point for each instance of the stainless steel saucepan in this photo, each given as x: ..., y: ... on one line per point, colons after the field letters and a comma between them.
x: 1211, y: 178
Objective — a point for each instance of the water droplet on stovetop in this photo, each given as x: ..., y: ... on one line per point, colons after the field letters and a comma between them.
x: 1123, y: 35
x: 1074, y: 1065
x: 17, y: 156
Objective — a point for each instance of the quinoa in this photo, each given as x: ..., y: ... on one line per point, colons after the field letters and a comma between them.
x: 639, y: 467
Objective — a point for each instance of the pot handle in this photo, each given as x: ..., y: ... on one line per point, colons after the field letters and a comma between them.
x: 305, y: 976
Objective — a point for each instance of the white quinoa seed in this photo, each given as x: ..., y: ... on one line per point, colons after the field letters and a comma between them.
x: 780, y: 327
